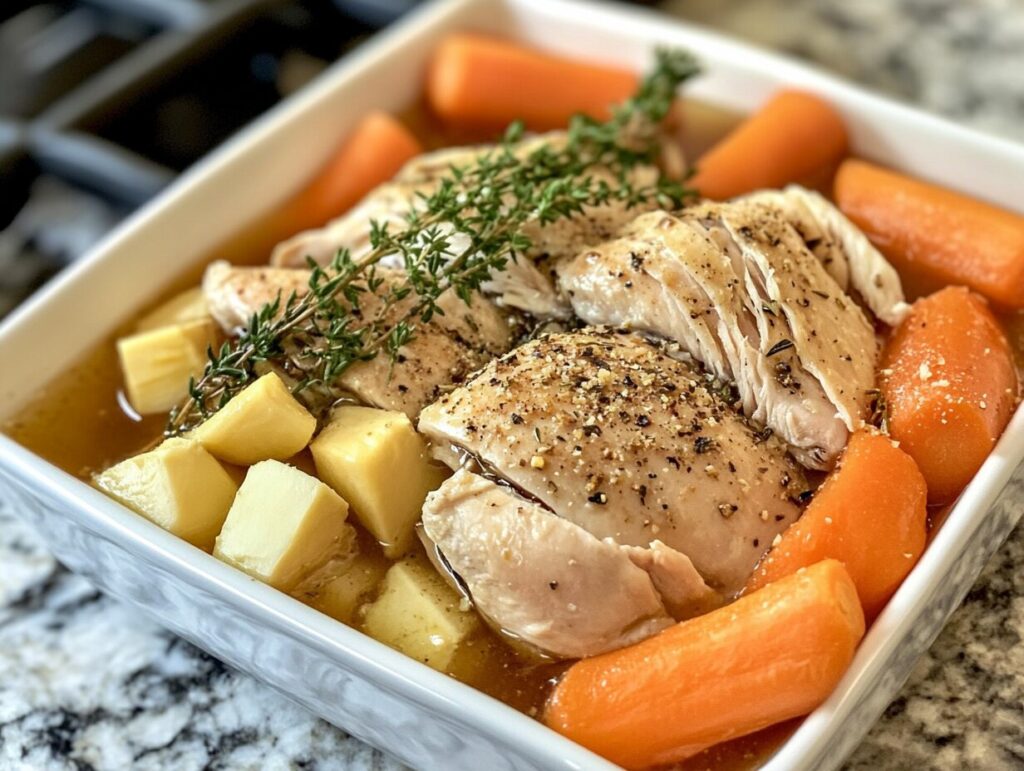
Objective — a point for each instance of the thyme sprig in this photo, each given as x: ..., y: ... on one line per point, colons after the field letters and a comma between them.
x: 456, y: 238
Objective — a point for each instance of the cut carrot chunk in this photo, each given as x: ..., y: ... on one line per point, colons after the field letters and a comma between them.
x: 950, y: 386
x: 793, y: 136
x: 933, y: 236
x: 483, y: 80
x: 770, y: 656
x: 870, y: 513
x: 375, y: 150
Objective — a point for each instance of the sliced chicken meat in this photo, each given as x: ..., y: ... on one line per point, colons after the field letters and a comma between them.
x: 832, y: 336
x: 537, y: 574
x: 234, y: 294
x: 682, y: 286
x: 847, y: 254
x: 526, y: 284
x: 610, y: 433
x: 442, y: 352
x: 737, y: 288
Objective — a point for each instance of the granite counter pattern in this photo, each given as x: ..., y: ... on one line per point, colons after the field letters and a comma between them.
x: 86, y: 684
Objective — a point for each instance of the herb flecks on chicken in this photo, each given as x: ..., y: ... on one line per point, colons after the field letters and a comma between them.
x: 486, y: 204
x: 760, y: 290
x: 594, y: 459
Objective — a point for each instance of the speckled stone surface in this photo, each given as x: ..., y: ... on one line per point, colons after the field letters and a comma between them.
x: 87, y: 684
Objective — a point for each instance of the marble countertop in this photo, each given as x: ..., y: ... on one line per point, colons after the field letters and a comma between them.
x: 86, y: 683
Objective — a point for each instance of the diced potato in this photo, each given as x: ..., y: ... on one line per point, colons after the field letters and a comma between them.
x: 283, y: 525
x: 179, y: 486
x: 380, y: 465
x: 342, y: 596
x: 263, y: 422
x: 419, y: 614
x: 189, y: 305
x: 158, y: 364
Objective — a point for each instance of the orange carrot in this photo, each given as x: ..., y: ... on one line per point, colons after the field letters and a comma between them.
x: 483, y: 80
x: 870, y: 513
x: 950, y: 386
x: 933, y: 236
x: 770, y: 656
x: 377, y: 148
x: 794, y: 135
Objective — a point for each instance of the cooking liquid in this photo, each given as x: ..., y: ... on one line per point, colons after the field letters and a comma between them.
x: 81, y: 422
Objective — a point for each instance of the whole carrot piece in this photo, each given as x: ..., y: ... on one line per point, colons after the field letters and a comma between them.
x: 483, y: 80
x: 933, y: 236
x: 950, y: 386
x: 376, y: 149
x: 793, y: 136
x: 770, y: 656
x: 870, y: 514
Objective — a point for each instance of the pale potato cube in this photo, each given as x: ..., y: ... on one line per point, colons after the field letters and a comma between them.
x: 263, y: 422
x: 179, y: 486
x: 380, y: 465
x: 189, y: 305
x: 283, y: 525
x: 157, y: 364
x: 342, y: 596
x: 419, y: 614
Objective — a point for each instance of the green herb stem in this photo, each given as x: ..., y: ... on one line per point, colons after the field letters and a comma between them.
x: 486, y: 203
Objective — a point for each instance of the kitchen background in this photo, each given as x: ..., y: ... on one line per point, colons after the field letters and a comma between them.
x: 104, y: 102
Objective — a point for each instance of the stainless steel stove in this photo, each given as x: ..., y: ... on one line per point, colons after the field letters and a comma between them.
x: 104, y: 102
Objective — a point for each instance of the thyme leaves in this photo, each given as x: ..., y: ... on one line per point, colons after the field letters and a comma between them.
x: 454, y: 238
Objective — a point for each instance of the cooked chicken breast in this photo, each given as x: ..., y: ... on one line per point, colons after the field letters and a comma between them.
x: 736, y: 286
x: 526, y: 284
x: 536, y: 575
x: 842, y: 248
x: 607, y: 431
x: 442, y: 352
x: 234, y: 294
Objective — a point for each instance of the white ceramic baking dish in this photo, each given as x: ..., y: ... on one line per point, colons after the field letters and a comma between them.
x: 395, y: 703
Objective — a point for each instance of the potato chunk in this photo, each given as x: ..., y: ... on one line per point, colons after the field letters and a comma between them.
x: 342, y: 596
x: 419, y: 614
x: 263, y: 422
x: 283, y: 525
x: 378, y: 463
x: 189, y: 305
x: 179, y: 486
x: 158, y: 364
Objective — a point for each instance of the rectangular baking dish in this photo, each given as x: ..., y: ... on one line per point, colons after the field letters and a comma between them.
x: 411, y: 712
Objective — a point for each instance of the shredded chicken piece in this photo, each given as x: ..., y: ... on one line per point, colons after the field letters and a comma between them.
x: 442, y: 352
x: 738, y: 286
x: 526, y: 284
